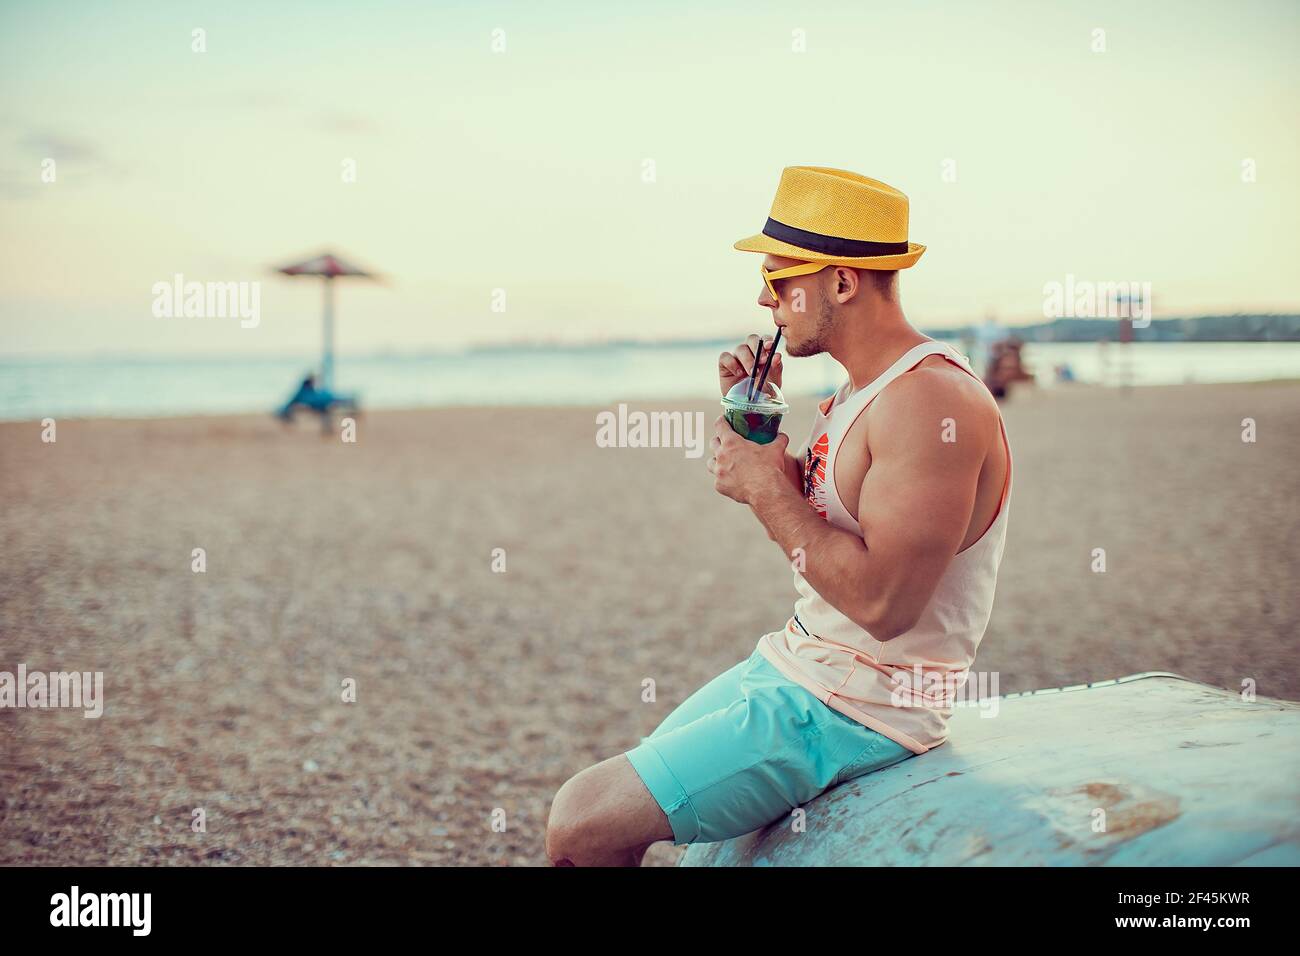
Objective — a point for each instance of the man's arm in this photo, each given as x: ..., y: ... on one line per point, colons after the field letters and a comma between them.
x: 794, y: 472
x: 914, y: 507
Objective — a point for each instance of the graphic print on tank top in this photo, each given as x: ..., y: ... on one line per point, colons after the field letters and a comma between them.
x: 814, y: 473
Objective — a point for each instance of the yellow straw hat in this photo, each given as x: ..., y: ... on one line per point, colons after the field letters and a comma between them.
x: 831, y: 215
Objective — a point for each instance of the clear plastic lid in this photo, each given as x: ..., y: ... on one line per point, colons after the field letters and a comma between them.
x: 769, y: 399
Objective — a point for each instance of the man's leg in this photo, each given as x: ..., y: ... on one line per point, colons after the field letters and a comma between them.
x: 746, y: 749
x: 604, y: 816
x: 606, y: 813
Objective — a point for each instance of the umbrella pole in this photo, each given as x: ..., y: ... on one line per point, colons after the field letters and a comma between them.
x: 327, y: 352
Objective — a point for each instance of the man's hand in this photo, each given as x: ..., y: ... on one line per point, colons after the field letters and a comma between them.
x: 737, y: 366
x: 743, y: 470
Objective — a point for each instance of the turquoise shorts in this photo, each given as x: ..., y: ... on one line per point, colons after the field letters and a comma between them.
x: 747, y: 748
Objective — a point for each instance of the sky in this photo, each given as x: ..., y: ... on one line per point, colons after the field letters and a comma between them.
x: 595, y: 162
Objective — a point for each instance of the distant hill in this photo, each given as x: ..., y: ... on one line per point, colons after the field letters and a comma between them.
x: 1202, y: 328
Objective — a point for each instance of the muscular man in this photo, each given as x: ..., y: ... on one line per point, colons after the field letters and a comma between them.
x: 894, y: 514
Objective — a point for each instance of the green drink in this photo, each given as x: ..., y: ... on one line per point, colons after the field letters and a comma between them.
x: 756, y: 418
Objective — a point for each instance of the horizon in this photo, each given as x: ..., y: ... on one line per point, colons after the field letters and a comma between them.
x: 308, y: 354
x: 593, y: 343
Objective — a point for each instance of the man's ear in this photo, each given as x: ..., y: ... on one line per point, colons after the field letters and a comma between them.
x: 847, y: 283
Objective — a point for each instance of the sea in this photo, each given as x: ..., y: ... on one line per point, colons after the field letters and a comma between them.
x: 596, y: 375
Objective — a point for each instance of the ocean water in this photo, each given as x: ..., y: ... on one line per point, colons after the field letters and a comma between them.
x: 598, y: 375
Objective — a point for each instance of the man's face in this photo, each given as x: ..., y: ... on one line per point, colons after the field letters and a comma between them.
x: 804, y: 310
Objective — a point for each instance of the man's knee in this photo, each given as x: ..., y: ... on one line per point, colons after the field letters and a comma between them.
x: 572, y: 828
x: 602, y: 815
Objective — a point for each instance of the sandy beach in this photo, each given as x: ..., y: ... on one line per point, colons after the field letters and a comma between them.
x: 479, y: 691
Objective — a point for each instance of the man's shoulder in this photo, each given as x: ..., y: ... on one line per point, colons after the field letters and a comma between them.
x: 936, y: 383
x: 935, y: 387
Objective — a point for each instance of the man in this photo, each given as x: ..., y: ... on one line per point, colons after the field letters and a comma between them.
x: 894, y: 516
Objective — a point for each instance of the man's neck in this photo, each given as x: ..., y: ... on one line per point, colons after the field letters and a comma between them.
x: 867, y: 349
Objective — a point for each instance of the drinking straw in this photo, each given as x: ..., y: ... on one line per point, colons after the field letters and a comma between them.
x: 753, y: 373
x: 771, y: 357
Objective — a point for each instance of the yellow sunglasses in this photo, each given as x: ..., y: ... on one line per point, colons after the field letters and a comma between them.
x: 806, y: 269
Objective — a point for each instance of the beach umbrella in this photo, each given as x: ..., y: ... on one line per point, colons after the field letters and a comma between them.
x: 329, y: 267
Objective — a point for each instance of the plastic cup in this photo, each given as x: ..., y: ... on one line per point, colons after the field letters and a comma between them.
x: 757, y: 419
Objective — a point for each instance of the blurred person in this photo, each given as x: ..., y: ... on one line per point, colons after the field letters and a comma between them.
x: 305, y: 397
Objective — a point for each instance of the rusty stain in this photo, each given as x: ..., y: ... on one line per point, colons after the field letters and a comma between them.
x: 1129, y: 822
x: 1126, y: 819
x: 1102, y: 791
x: 913, y: 826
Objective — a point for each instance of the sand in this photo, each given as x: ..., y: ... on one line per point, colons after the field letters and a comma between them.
x: 479, y: 692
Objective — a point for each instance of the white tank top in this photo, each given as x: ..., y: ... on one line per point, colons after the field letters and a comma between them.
x: 877, y: 683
